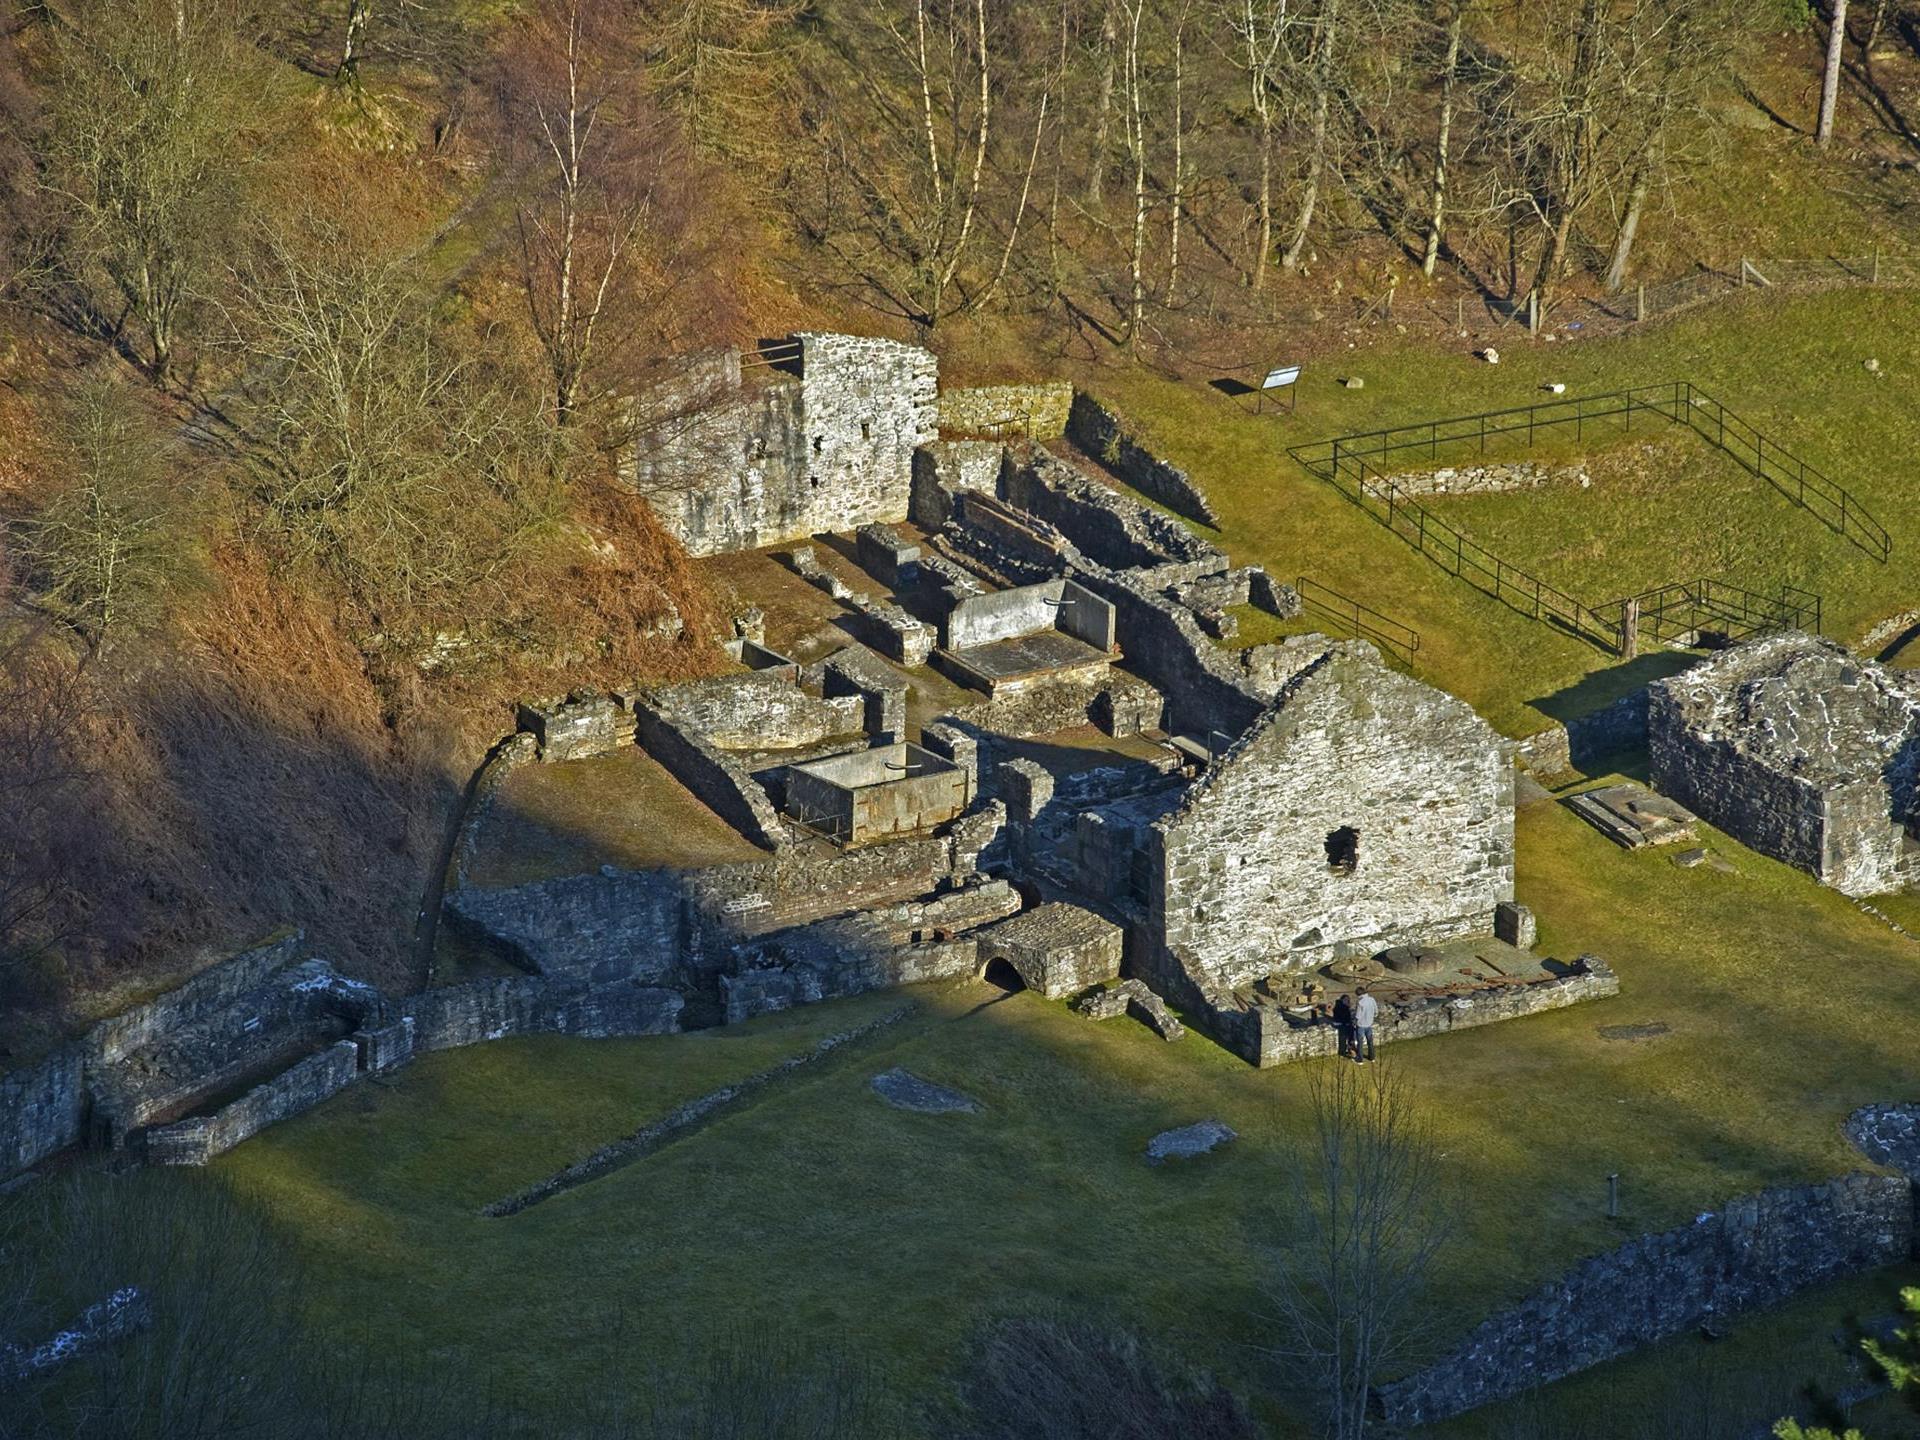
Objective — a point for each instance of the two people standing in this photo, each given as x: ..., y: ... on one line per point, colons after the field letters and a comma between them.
x: 1355, y: 1014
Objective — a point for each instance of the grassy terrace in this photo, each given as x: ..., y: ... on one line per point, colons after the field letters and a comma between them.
x: 1791, y: 365
x: 822, y: 1212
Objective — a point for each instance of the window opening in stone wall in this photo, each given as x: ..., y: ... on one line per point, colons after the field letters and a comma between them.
x: 866, y: 430
x: 818, y: 441
x: 1343, y: 850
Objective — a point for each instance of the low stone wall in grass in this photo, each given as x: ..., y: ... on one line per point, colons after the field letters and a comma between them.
x: 1756, y: 1252
x: 296, y: 1089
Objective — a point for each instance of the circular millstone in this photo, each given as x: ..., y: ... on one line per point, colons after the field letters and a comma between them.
x: 1412, y: 960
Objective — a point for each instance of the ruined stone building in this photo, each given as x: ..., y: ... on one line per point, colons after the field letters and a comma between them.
x: 822, y: 439
x: 1802, y: 750
x: 1362, y: 810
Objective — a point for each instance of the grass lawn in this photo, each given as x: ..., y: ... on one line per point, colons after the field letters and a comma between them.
x: 1791, y: 365
x: 821, y: 1213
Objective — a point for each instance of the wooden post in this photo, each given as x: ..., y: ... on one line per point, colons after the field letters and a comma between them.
x: 1460, y: 312
x: 1533, y: 312
x: 1629, y: 629
x: 1743, y: 272
x: 1640, y: 302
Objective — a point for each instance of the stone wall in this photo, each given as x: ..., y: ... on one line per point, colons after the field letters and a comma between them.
x: 1586, y: 739
x: 737, y: 466
x: 42, y: 1109
x: 599, y: 928
x: 1206, y: 687
x: 483, y: 1010
x: 945, y: 468
x: 1246, y: 875
x: 723, y: 784
x: 509, y: 755
x: 1103, y: 435
x: 584, y: 724
x: 1266, y: 1036
x: 1490, y: 479
x: 1104, y: 525
x: 1757, y: 1251
x: 298, y: 1088
x: 211, y: 991
x: 1038, y: 410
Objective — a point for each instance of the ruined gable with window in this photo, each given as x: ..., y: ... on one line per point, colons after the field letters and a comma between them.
x: 1362, y: 810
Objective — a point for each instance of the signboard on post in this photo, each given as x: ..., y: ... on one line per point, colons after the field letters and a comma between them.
x: 1281, y: 377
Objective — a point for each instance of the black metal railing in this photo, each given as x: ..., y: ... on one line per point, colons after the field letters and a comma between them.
x: 1355, y: 620
x: 1719, y: 608
x: 1678, y: 401
x: 1709, y: 612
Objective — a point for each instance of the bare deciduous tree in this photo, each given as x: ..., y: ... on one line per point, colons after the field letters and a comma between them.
x: 1365, y: 1227
x: 378, y: 447
x: 140, y: 169
x: 589, y: 163
x: 103, y: 550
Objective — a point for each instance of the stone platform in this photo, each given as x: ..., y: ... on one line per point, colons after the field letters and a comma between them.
x: 1006, y: 666
x: 1633, y: 816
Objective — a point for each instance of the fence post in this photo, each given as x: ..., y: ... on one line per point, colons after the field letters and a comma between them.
x: 1629, y: 628
x: 1459, y: 312
x: 1533, y: 312
x: 1640, y: 302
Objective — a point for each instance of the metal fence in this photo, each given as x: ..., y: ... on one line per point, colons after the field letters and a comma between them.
x: 1695, y: 607
x: 1664, y: 297
x: 1678, y: 401
x: 1357, y: 621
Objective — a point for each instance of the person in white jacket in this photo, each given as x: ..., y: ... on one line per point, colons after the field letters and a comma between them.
x: 1365, y: 1008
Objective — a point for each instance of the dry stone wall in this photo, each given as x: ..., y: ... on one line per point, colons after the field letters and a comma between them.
x: 42, y: 1109
x: 625, y: 925
x: 1038, y: 410
x: 1102, y: 434
x: 294, y: 1091
x: 1106, y: 526
x: 1757, y: 1251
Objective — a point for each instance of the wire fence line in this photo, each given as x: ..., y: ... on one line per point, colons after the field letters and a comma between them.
x: 1652, y: 300
x: 1683, y: 611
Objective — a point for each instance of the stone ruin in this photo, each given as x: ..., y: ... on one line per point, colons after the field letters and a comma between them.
x: 1255, y: 820
x: 819, y: 438
x: 1801, y: 750
x: 1122, y: 811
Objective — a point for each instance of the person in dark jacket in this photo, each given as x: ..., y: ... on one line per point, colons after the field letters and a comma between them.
x: 1343, y: 1017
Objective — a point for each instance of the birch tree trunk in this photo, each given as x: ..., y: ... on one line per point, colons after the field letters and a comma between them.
x: 1179, y: 156
x: 1830, y: 85
x: 1450, y: 73
x: 1325, y: 37
x: 1103, y: 111
x: 1629, y: 227
x: 1137, y: 152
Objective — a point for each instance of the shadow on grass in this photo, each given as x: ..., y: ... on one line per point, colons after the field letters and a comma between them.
x: 1600, y: 688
